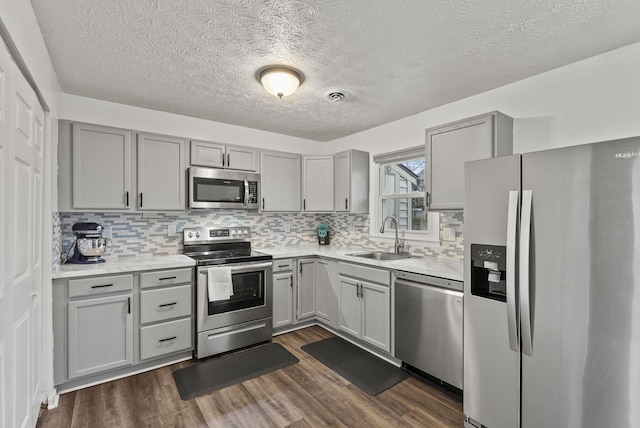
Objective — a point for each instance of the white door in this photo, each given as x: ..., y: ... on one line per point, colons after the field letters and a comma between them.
x: 21, y: 199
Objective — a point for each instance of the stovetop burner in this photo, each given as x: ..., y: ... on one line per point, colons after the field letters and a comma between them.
x: 215, y: 246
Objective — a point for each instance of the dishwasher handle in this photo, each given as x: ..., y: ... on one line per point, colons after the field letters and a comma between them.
x: 434, y: 288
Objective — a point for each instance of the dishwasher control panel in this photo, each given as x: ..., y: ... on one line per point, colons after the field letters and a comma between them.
x: 431, y: 280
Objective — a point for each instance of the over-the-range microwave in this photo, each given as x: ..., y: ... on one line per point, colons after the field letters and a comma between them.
x: 221, y: 188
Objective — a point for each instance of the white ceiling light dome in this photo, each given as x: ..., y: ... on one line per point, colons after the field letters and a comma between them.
x: 280, y: 80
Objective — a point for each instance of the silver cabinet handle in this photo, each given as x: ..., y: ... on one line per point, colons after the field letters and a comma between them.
x: 169, y: 278
x: 346, y: 203
x: 525, y: 239
x: 512, y: 310
x: 228, y: 160
x: 222, y: 158
x: 168, y: 339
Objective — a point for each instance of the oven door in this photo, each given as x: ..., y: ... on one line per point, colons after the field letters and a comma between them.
x: 252, y: 297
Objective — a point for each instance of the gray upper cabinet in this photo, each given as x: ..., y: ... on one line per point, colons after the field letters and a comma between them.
x: 280, y: 181
x: 161, y: 177
x: 101, y: 167
x: 107, y: 169
x: 351, y: 169
x: 317, y: 183
x: 449, y: 146
x: 217, y: 155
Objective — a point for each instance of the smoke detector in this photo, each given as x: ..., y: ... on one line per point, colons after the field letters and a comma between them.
x: 335, y: 96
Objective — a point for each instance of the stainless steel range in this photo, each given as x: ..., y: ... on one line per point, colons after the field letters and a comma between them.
x: 234, y: 291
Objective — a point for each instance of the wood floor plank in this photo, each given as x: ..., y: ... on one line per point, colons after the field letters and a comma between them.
x: 307, y: 394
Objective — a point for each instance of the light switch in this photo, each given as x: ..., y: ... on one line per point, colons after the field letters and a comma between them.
x: 449, y: 234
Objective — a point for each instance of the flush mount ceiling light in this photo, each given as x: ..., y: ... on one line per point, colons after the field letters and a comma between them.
x: 279, y: 80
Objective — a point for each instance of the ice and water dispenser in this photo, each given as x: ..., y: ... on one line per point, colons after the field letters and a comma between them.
x: 488, y: 271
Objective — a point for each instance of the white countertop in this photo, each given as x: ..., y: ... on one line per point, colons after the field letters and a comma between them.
x: 424, y: 265
x: 124, y: 265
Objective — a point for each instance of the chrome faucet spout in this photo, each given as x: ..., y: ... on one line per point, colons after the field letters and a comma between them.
x: 398, y: 245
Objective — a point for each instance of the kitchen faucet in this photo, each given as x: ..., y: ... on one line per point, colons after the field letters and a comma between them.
x: 399, y: 245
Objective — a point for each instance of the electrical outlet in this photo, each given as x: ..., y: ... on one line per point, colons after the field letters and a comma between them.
x: 449, y: 234
x: 287, y: 228
x: 171, y: 230
x: 107, y: 231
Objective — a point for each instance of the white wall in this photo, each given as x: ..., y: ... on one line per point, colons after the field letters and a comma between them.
x: 592, y: 100
x: 90, y: 110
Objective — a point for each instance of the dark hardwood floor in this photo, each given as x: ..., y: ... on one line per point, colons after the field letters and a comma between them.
x: 307, y: 394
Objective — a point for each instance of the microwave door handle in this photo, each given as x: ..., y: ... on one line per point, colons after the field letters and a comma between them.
x: 246, y: 192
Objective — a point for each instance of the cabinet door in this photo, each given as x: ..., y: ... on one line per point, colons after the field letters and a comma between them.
x: 101, y: 167
x: 306, y: 288
x: 207, y: 154
x: 376, y: 315
x: 317, y: 183
x: 100, y: 335
x: 350, y: 307
x: 327, y: 291
x: 161, y: 173
x: 282, y: 299
x: 342, y: 181
x: 280, y: 182
x: 449, y: 146
x: 244, y: 158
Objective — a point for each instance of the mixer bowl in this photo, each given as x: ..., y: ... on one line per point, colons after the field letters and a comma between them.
x: 92, y: 247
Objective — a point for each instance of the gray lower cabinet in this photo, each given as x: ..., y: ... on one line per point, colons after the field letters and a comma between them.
x: 282, y: 293
x: 306, y: 296
x: 365, y: 304
x: 111, y: 325
x: 327, y: 291
x: 100, y: 334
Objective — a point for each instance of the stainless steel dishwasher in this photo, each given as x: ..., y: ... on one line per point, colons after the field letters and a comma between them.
x: 428, y: 325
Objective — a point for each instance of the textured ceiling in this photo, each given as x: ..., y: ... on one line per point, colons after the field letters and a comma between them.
x: 392, y: 59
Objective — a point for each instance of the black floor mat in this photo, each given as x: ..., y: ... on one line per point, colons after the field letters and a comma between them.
x: 366, y: 371
x: 228, y: 370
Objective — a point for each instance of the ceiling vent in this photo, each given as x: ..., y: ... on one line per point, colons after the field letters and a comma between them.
x: 336, y: 97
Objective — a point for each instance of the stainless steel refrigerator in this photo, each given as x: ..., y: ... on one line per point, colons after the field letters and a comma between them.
x: 552, y: 288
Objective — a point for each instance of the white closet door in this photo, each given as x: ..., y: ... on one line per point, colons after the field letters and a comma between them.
x: 21, y: 219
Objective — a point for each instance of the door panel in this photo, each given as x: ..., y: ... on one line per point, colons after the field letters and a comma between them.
x: 491, y: 368
x: 21, y: 229
x: 584, y: 287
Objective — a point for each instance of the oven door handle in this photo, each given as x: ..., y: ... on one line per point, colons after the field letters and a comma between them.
x: 246, y: 192
x: 256, y: 266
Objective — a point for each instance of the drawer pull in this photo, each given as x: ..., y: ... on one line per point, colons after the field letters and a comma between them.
x: 164, y: 305
x: 167, y: 278
x: 168, y: 339
x: 102, y: 286
x: 283, y: 266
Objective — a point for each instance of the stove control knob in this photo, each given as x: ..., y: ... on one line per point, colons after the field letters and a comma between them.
x: 197, y: 233
x: 233, y: 232
x: 246, y: 232
x: 190, y: 234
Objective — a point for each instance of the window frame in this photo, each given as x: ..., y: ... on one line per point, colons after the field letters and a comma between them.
x: 432, y: 234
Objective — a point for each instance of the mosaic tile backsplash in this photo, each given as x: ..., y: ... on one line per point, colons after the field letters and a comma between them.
x: 146, y: 234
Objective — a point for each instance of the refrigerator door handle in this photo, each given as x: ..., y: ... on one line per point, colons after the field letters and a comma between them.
x: 512, y: 308
x: 525, y: 252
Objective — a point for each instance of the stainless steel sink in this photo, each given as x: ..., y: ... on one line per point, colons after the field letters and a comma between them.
x: 380, y: 255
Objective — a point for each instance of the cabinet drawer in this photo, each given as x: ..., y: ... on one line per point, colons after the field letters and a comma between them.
x: 165, y: 338
x: 165, y: 303
x: 365, y: 273
x: 100, y: 285
x: 165, y: 277
x: 282, y: 265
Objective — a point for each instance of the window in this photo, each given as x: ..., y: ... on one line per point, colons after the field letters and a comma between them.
x: 401, y: 194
